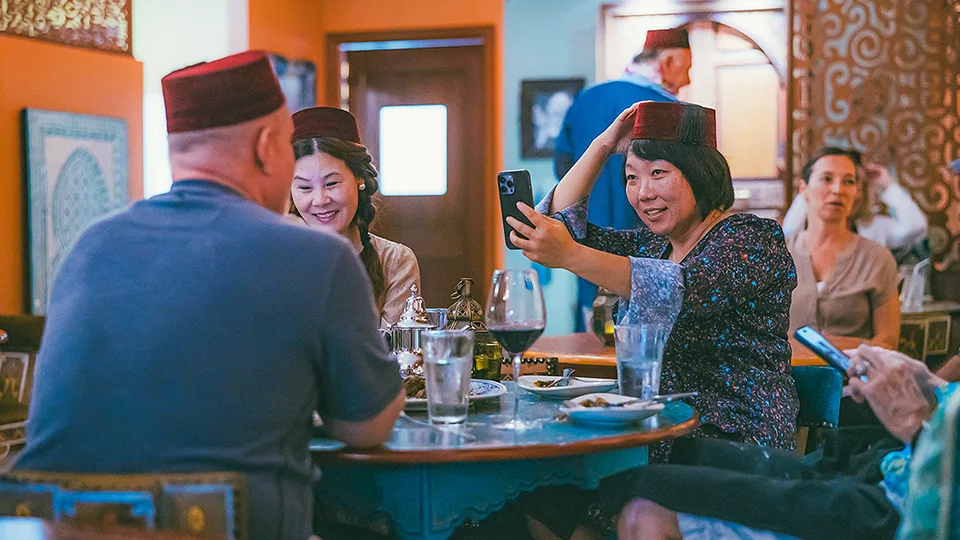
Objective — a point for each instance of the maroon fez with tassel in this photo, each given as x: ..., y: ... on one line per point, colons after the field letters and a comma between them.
x: 325, y: 122
x: 225, y: 92
x: 681, y: 122
x: 672, y: 38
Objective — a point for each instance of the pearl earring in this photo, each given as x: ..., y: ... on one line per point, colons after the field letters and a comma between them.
x: 363, y: 187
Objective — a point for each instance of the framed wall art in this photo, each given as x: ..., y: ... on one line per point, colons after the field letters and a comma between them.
x: 76, y: 170
x: 298, y: 80
x: 543, y: 105
x: 104, y: 25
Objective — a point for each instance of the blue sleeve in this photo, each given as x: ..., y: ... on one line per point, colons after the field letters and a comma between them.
x: 564, y: 142
x: 357, y: 378
x: 626, y: 243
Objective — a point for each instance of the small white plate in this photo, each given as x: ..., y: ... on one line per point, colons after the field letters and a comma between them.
x: 578, y: 386
x: 479, y: 389
x: 610, y: 416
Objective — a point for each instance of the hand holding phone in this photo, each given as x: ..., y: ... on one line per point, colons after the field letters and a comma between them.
x: 815, y: 341
x: 514, y: 187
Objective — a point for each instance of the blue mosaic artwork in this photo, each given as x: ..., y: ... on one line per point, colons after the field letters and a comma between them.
x: 76, y: 170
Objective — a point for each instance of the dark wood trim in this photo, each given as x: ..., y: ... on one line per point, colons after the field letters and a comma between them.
x: 492, y: 240
x: 382, y: 456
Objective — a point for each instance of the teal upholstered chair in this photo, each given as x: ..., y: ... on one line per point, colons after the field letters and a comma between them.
x: 819, y: 389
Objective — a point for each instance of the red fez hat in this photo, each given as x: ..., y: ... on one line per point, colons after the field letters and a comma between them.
x: 325, y: 122
x: 673, y: 38
x: 681, y: 122
x: 224, y: 92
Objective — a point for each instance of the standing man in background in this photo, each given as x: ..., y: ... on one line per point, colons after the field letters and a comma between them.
x: 657, y: 73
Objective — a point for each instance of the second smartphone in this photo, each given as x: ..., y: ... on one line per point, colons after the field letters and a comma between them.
x: 514, y: 187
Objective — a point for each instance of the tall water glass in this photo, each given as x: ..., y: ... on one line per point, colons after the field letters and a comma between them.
x: 447, y: 359
x: 639, y: 358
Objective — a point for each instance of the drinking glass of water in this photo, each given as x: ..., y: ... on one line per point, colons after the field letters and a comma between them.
x: 639, y: 358
x: 447, y: 359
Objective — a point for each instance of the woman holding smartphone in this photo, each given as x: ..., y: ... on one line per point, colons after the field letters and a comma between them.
x: 333, y: 187
x: 729, y: 341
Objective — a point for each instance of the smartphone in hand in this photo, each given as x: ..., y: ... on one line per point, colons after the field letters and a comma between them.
x: 815, y: 341
x: 514, y: 187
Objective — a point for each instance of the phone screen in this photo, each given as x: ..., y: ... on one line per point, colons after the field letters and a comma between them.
x: 824, y: 349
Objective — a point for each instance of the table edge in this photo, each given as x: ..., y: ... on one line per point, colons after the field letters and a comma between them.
x: 381, y: 455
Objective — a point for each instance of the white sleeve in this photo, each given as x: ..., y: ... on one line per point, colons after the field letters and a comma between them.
x: 796, y: 217
x: 911, y: 223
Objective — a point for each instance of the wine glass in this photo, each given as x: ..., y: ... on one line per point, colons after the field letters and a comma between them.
x: 516, y: 317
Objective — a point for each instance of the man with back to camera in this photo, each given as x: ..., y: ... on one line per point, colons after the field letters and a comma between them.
x: 657, y: 73
x: 197, y: 331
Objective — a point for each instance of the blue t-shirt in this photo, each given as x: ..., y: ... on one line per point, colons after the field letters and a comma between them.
x: 591, y: 113
x: 196, y: 331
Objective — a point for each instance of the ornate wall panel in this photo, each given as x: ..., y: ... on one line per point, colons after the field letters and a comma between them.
x: 97, y: 24
x: 881, y: 76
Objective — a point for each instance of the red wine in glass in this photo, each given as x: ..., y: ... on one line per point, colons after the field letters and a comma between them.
x: 516, y: 317
x: 516, y: 339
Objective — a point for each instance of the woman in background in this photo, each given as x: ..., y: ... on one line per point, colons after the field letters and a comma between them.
x: 333, y: 187
x: 904, y: 227
x: 846, y: 284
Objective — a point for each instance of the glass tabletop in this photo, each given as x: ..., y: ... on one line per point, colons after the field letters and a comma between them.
x: 415, y: 440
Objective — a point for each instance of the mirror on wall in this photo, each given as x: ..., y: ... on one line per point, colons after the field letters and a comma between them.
x: 738, y: 69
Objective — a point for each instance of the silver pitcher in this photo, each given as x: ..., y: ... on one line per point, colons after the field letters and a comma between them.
x: 403, y: 337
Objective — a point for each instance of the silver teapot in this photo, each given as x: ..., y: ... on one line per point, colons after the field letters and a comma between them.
x: 403, y: 337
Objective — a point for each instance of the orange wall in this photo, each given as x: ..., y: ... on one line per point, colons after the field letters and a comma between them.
x: 287, y: 28
x: 43, y: 75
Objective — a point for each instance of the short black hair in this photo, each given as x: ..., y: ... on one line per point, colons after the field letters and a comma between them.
x: 852, y: 155
x: 704, y: 167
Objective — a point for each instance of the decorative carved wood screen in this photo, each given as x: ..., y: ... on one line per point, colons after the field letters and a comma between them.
x: 881, y: 76
x: 96, y: 24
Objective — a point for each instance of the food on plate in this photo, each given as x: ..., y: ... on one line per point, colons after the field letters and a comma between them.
x: 598, y: 402
x: 415, y: 386
x: 542, y: 383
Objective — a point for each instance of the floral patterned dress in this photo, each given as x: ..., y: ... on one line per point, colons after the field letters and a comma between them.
x: 729, y: 342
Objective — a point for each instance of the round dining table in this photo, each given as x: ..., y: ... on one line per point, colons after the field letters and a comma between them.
x: 427, y: 480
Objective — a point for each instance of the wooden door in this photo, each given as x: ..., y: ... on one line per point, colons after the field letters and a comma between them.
x: 445, y: 231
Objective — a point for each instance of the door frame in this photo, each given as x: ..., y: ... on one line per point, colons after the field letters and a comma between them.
x: 493, y: 245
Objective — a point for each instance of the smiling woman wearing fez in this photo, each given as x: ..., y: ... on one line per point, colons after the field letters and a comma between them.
x: 729, y: 341
x: 332, y: 190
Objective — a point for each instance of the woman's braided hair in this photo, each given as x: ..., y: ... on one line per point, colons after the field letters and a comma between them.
x: 360, y: 163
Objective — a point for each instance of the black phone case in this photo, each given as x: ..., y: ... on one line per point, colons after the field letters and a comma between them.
x: 833, y: 356
x: 514, y: 187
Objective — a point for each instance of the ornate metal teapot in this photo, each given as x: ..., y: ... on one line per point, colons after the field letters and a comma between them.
x: 404, y: 335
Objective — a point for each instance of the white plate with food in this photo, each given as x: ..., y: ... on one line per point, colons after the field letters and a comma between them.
x: 479, y: 389
x: 603, y: 410
x: 578, y: 386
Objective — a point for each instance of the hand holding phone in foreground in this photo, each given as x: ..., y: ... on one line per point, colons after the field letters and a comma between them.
x: 900, y: 390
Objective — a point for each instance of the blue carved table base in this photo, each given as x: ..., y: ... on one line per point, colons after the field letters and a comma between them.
x: 429, y: 501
